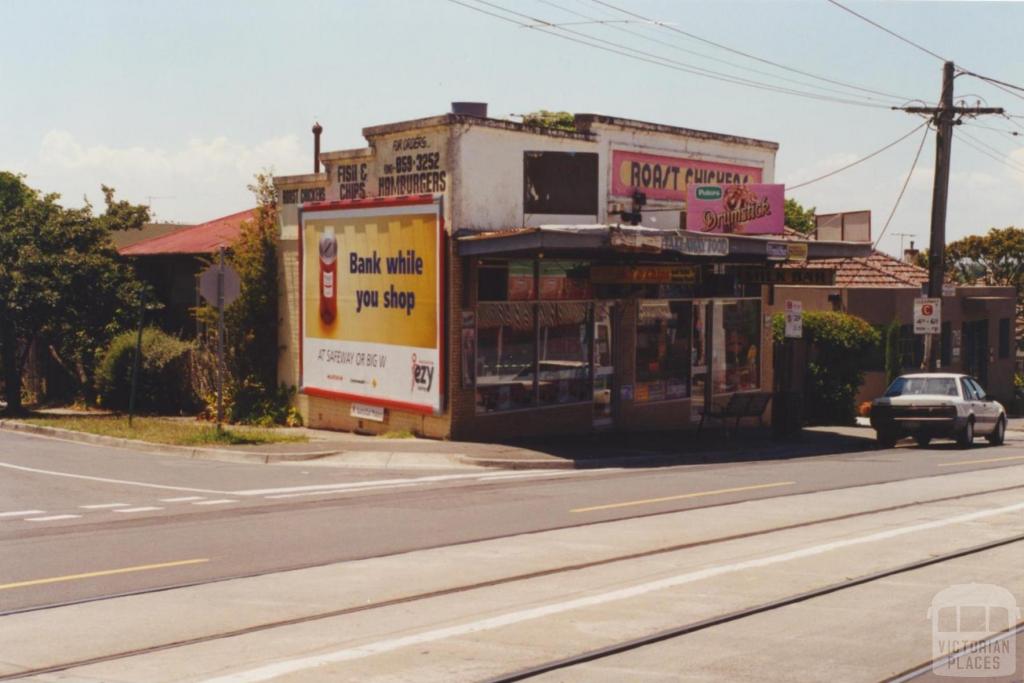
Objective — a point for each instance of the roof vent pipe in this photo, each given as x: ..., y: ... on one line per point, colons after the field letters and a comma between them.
x: 317, y: 129
x: 478, y: 109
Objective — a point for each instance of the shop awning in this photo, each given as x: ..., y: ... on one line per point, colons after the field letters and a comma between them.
x: 609, y: 241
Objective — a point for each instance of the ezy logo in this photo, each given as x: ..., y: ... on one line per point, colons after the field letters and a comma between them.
x: 422, y: 374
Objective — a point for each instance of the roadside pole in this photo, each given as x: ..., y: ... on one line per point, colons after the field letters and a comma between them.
x: 220, y: 342
x: 138, y: 357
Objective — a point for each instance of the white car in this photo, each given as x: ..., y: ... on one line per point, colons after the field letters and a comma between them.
x: 928, y: 405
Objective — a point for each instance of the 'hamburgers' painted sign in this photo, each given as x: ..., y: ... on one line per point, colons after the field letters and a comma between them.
x: 740, y: 209
x: 666, y: 178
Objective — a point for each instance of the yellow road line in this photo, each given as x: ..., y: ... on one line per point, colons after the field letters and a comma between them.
x: 979, y: 462
x: 699, y: 494
x: 105, y: 572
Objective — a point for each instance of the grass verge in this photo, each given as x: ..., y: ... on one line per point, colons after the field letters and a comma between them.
x: 166, y: 431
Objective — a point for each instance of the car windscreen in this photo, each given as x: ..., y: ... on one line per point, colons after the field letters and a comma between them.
x: 912, y: 386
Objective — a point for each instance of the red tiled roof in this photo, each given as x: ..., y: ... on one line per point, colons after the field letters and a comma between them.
x: 204, y: 238
x: 877, y: 270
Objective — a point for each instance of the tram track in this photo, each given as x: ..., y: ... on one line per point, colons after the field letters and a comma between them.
x: 551, y: 666
x: 694, y: 627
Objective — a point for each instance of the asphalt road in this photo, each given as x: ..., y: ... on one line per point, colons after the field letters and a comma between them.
x: 79, y: 522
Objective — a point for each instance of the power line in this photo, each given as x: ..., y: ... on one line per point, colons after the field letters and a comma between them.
x: 747, y: 54
x: 903, y: 189
x: 649, y: 58
x: 908, y: 41
x: 675, y: 46
x: 861, y: 160
x: 988, y: 150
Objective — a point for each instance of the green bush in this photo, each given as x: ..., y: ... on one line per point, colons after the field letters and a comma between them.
x: 839, y: 345
x: 163, y: 385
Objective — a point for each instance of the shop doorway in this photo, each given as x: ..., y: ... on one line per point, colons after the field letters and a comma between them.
x: 604, y: 365
x: 700, y: 356
x: 976, y: 350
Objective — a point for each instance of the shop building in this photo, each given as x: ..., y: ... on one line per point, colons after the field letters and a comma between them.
x: 475, y: 278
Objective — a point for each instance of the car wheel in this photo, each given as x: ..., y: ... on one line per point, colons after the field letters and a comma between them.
x: 885, y: 439
x: 923, y: 440
x: 966, y: 437
x: 998, y: 434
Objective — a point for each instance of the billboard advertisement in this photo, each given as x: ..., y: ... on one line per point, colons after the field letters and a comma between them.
x: 665, y: 178
x: 372, y: 302
x: 740, y: 209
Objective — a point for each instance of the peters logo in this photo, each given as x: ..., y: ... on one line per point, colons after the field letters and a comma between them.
x: 713, y: 192
x: 422, y: 374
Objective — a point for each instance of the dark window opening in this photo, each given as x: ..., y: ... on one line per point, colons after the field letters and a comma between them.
x: 560, y: 183
x: 1004, y: 337
x: 946, y: 345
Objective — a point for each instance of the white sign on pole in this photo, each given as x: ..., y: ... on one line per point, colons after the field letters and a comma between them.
x: 927, y: 316
x: 948, y: 289
x: 794, y: 316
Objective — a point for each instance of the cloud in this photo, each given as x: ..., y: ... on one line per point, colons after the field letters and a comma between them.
x: 200, y: 180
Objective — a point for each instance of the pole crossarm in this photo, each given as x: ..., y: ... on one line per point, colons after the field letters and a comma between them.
x: 963, y: 111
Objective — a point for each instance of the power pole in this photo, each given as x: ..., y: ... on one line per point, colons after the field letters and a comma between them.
x: 944, y: 117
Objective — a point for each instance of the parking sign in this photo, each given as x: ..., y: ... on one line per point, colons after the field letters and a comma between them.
x: 927, y: 316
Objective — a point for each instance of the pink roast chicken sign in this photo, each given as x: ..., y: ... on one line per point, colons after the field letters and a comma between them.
x: 739, y: 209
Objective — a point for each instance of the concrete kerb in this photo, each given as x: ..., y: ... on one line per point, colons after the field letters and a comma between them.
x: 163, y: 449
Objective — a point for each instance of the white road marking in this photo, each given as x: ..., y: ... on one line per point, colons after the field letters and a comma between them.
x: 103, y: 506
x: 181, y: 499
x: 51, y: 518
x: 328, y: 493
x: 286, y: 667
x: 219, y: 501
x: 147, y: 508
x: 108, y: 481
x: 21, y: 513
x: 381, y: 483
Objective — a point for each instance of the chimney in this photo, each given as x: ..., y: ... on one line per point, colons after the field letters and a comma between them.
x: 478, y: 109
x: 317, y: 129
x: 910, y: 255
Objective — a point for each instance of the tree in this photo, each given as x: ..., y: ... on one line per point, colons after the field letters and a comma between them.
x: 62, y: 283
x: 252, y: 320
x: 996, y: 258
x: 798, y: 218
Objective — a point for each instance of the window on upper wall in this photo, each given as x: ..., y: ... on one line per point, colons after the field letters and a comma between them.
x: 560, y: 183
x: 1004, y: 337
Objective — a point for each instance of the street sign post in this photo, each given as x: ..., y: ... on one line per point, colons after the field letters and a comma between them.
x: 927, y: 316
x: 794, y: 316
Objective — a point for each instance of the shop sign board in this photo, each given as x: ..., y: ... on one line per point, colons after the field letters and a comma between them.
x: 742, y: 209
x: 794, y: 318
x: 927, y: 316
x: 686, y: 275
x: 787, y: 276
x: 776, y: 251
x: 696, y: 245
x: 372, y: 302
x: 796, y: 251
x: 666, y: 178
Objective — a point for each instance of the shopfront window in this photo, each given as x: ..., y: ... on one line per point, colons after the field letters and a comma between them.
x: 563, y: 280
x: 505, y: 357
x: 502, y: 280
x: 563, y: 373
x: 663, y: 343
x: 736, y: 356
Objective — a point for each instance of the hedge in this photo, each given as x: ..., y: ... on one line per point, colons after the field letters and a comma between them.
x: 163, y: 383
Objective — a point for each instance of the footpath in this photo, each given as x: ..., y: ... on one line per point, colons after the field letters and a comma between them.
x: 604, y: 449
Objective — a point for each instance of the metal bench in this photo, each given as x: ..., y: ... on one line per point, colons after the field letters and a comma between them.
x: 739, y: 407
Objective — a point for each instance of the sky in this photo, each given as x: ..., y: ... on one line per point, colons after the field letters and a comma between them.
x: 177, y: 104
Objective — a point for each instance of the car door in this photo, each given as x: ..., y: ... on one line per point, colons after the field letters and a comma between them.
x: 987, y: 410
x: 971, y: 403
